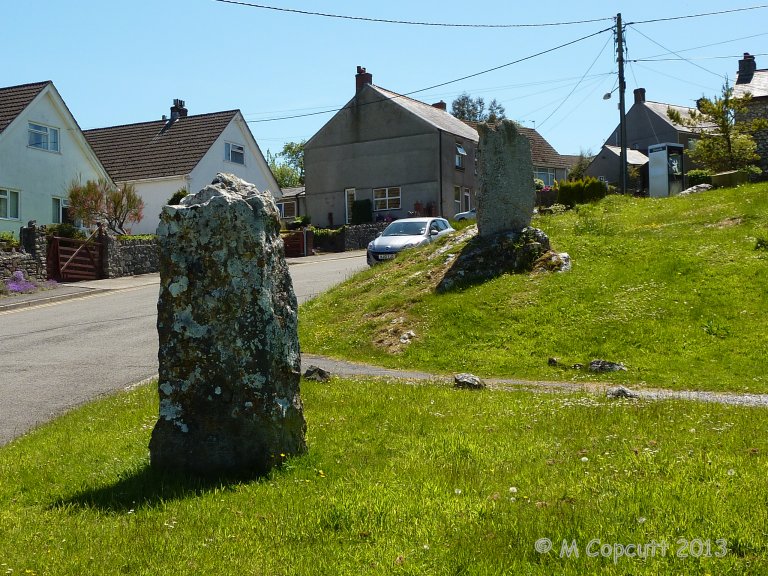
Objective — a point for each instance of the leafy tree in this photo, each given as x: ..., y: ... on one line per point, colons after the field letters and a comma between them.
x: 101, y: 200
x: 177, y: 197
x: 578, y: 171
x: 288, y: 166
x: 473, y: 109
x: 725, y: 142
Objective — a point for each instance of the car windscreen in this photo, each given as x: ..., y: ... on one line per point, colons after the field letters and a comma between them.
x: 405, y: 229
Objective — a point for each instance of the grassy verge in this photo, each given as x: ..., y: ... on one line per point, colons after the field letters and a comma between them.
x: 676, y: 289
x: 402, y: 479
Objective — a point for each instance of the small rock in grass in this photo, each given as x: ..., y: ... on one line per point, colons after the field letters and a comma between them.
x: 606, y: 366
x: 469, y: 381
x: 621, y: 392
x: 316, y: 373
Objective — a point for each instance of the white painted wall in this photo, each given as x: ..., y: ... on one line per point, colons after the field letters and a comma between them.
x: 40, y: 175
x: 156, y: 192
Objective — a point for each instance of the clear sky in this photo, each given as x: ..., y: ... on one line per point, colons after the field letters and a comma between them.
x: 124, y: 61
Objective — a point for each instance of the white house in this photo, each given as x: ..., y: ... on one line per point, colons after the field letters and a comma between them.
x: 42, y: 150
x: 162, y: 156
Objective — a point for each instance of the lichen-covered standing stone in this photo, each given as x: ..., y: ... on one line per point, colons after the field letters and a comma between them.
x: 507, y: 194
x: 227, y: 322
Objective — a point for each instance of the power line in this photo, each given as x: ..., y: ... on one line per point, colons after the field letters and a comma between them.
x: 468, y: 76
x: 675, y: 53
x: 407, y: 22
x: 713, y: 44
x: 692, y: 59
x: 718, y: 13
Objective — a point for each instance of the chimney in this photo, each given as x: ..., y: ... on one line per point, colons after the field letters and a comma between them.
x: 178, y: 110
x: 747, y: 67
x: 362, y: 78
x: 440, y: 106
x: 639, y: 95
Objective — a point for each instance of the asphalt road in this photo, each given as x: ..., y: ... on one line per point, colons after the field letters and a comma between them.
x: 57, y: 356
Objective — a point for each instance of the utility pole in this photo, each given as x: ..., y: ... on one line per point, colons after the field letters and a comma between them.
x: 622, y: 113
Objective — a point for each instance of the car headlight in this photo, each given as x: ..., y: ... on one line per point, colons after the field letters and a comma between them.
x: 370, y: 245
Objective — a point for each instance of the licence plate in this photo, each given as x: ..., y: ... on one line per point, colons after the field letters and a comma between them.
x: 386, y: 256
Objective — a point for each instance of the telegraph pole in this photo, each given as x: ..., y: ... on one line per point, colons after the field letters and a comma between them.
x: 622, y: 113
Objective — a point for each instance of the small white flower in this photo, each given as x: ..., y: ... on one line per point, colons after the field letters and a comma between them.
x: 584, y: 459
x: 731, y: 472
x: 513, y: 489
x: 457, y: 491
x: 641, y: 520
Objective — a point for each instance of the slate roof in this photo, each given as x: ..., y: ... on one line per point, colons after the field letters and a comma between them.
x: 634, y: 157
x: 661, y: 110
x: 14, y: 99
x: 157, y: 149
x: 434, y: 116
x: 755, y: 83
x: 543, y: 155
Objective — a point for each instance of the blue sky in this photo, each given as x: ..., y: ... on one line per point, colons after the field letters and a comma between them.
x: 124, y: 61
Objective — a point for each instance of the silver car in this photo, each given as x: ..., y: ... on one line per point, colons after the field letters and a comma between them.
x: 406, y: 233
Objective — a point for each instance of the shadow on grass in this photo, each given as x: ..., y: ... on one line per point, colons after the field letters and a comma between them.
x: 147, y: 487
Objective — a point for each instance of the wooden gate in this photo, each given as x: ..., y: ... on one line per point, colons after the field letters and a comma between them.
x: 71, y: 260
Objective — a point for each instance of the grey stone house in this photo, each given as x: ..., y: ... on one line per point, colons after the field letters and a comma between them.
x: 755, y: 82
x: 403, y: 155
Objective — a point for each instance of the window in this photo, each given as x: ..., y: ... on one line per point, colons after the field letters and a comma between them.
x: 43, y: 137
x: 287, y: 209
x: 457, y: 199
x: 9, y: 204
x: 467, y: 199
x: 460, y: 154
x: 234, y: 153
x: 546, y: 175
x: 386, y: 198
x: 350, y: 197
x: 59, y: 211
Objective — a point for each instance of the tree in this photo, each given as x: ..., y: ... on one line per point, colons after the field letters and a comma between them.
x: 725, y: 142
x: 578, y: 170
x: 101, y: 200
x: 288, y: 166
x: 473, y: 109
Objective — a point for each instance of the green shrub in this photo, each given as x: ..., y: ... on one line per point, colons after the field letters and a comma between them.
x: 8, y: 241
x: 697, y: 176
x: 362, y: 211
x: 175, y: 200
x: 538, y: 183
x: 573, y: 192
x: 64, y: 231
x: 328, y: 239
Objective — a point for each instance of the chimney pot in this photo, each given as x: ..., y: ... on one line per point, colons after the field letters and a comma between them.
x: 639, y: 95
x: 178, y: 110
x: 440, y: 105
x: 362, y: 78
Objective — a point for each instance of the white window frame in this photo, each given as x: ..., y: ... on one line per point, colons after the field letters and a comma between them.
x: 229, y: 148
x: 350, y: 195
x: 548, y: 173
x: 282, y: 205
x: 460, y: 154
x: 467, y: 199
x: 42, y: 137
x: 389, y: 198
x: 6, y: 214
x: 63, y: 205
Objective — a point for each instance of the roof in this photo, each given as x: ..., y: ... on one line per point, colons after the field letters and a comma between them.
x: 435, y: 116
x: 157, y: 149
x: 14, y: 99
x: 755, y: 83
x: 293, y: 192
x: 634, y: 157
x: 660, y: 109
x: 543, y: 155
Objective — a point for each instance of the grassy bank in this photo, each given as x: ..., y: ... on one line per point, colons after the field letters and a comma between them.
x: 402, y: 479
x: 676, y: 289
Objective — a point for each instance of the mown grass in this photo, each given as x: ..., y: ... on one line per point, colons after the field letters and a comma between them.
x: 676, y: 289
x: 401, y: 479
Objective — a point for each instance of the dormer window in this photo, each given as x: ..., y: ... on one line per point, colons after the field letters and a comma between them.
x: 43, y: 137
x: 234, y: 153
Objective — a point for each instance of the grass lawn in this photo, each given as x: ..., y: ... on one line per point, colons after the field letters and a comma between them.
x: 674, y: 288
x: 403, y: 479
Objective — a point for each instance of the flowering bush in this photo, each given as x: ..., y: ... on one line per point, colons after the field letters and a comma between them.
x: 19, y: 284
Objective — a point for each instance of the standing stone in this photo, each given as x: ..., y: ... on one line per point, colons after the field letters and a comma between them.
x: 229, y: 350
x: 507, y: 193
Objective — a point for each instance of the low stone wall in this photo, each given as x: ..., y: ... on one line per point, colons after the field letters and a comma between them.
x: 10, y: 262
x: 130, y: 257
x: 357, y: 237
